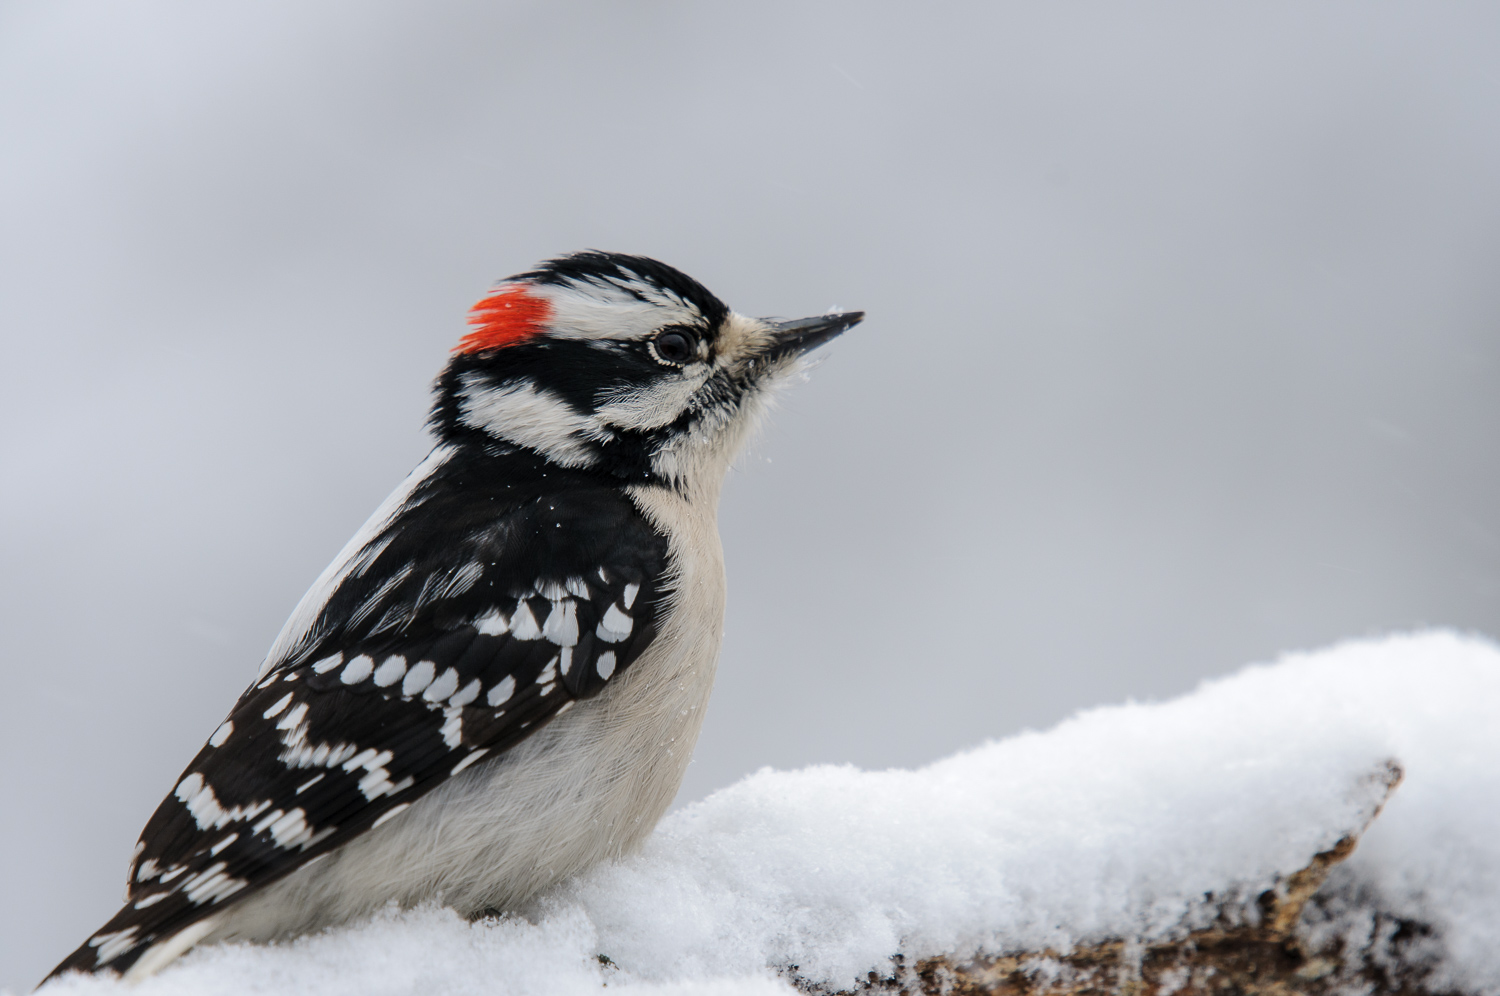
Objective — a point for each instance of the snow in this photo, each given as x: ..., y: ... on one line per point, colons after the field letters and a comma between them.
x: 1115, y: 824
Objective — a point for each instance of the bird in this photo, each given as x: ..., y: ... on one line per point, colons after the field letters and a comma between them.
x: 499, y: 681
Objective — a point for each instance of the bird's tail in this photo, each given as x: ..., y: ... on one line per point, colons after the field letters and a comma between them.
x: 117, y: 947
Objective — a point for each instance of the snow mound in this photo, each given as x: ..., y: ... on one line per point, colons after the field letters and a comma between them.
x: 1119, y: 823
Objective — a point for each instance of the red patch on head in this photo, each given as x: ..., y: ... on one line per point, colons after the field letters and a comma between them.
x: 505, y: 319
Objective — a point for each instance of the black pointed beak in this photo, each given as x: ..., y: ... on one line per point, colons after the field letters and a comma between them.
x: 797, y: 337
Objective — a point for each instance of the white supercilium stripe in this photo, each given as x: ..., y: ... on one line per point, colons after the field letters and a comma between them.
x: 606, y: 310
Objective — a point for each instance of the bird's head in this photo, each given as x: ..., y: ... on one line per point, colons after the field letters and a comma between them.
x: 619, y: 364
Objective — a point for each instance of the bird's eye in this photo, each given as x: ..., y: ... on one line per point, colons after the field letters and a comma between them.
x: 674, y: 347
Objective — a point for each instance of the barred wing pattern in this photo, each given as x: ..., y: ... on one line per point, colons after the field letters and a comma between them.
x: 441, y: 650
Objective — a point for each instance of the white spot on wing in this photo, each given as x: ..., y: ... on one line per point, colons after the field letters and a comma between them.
x: 502, y: 692
x: 577, y: 586
x: 203, y: 805
x: 390, y: 671
x: 445, y: 685
x: 291, y: 830
x: 378, y: 783
x: 294, y: 718
x: 562, y: 623
x: 418, y: 678
x: 472, y: 756
x: 112, y: 945
x: 223, y: 733
x: 631, y: 590
x: 615, y: 626
x: 211, y: 885
x: 453, y: 728
x: 605, y: 665
x: 368, y: 758
x: 467, y: 694
x: 523, y: 624
x: 268, y: 819
x: 299, y: 753
x: 492, y: 623
x: 357, y: 670
x: 328, y: 664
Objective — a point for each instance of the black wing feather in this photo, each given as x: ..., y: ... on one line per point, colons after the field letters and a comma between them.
x: 498, y: 594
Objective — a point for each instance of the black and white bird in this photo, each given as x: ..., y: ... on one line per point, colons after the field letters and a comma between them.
x: 499, y: 681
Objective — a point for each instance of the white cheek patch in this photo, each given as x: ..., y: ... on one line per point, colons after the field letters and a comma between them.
x: 530, y: 416
x: 651, y: 407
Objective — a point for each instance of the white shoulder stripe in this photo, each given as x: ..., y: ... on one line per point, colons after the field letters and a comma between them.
x: 298, y: 628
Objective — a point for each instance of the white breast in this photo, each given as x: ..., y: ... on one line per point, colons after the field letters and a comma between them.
x: 589, y: 785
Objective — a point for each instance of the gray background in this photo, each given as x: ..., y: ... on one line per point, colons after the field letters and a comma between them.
x: 1182, y: 347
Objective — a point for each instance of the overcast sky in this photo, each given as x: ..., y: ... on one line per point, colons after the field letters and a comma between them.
x: 1182, y: 349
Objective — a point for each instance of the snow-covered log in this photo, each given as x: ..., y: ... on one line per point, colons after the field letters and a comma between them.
x: 1183, y: 847
x: 1257, y: 950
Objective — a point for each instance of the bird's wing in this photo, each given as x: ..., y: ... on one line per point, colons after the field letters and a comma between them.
x: 453, y: 642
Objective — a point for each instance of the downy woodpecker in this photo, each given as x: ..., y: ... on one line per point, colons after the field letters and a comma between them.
x: 500, y: 679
